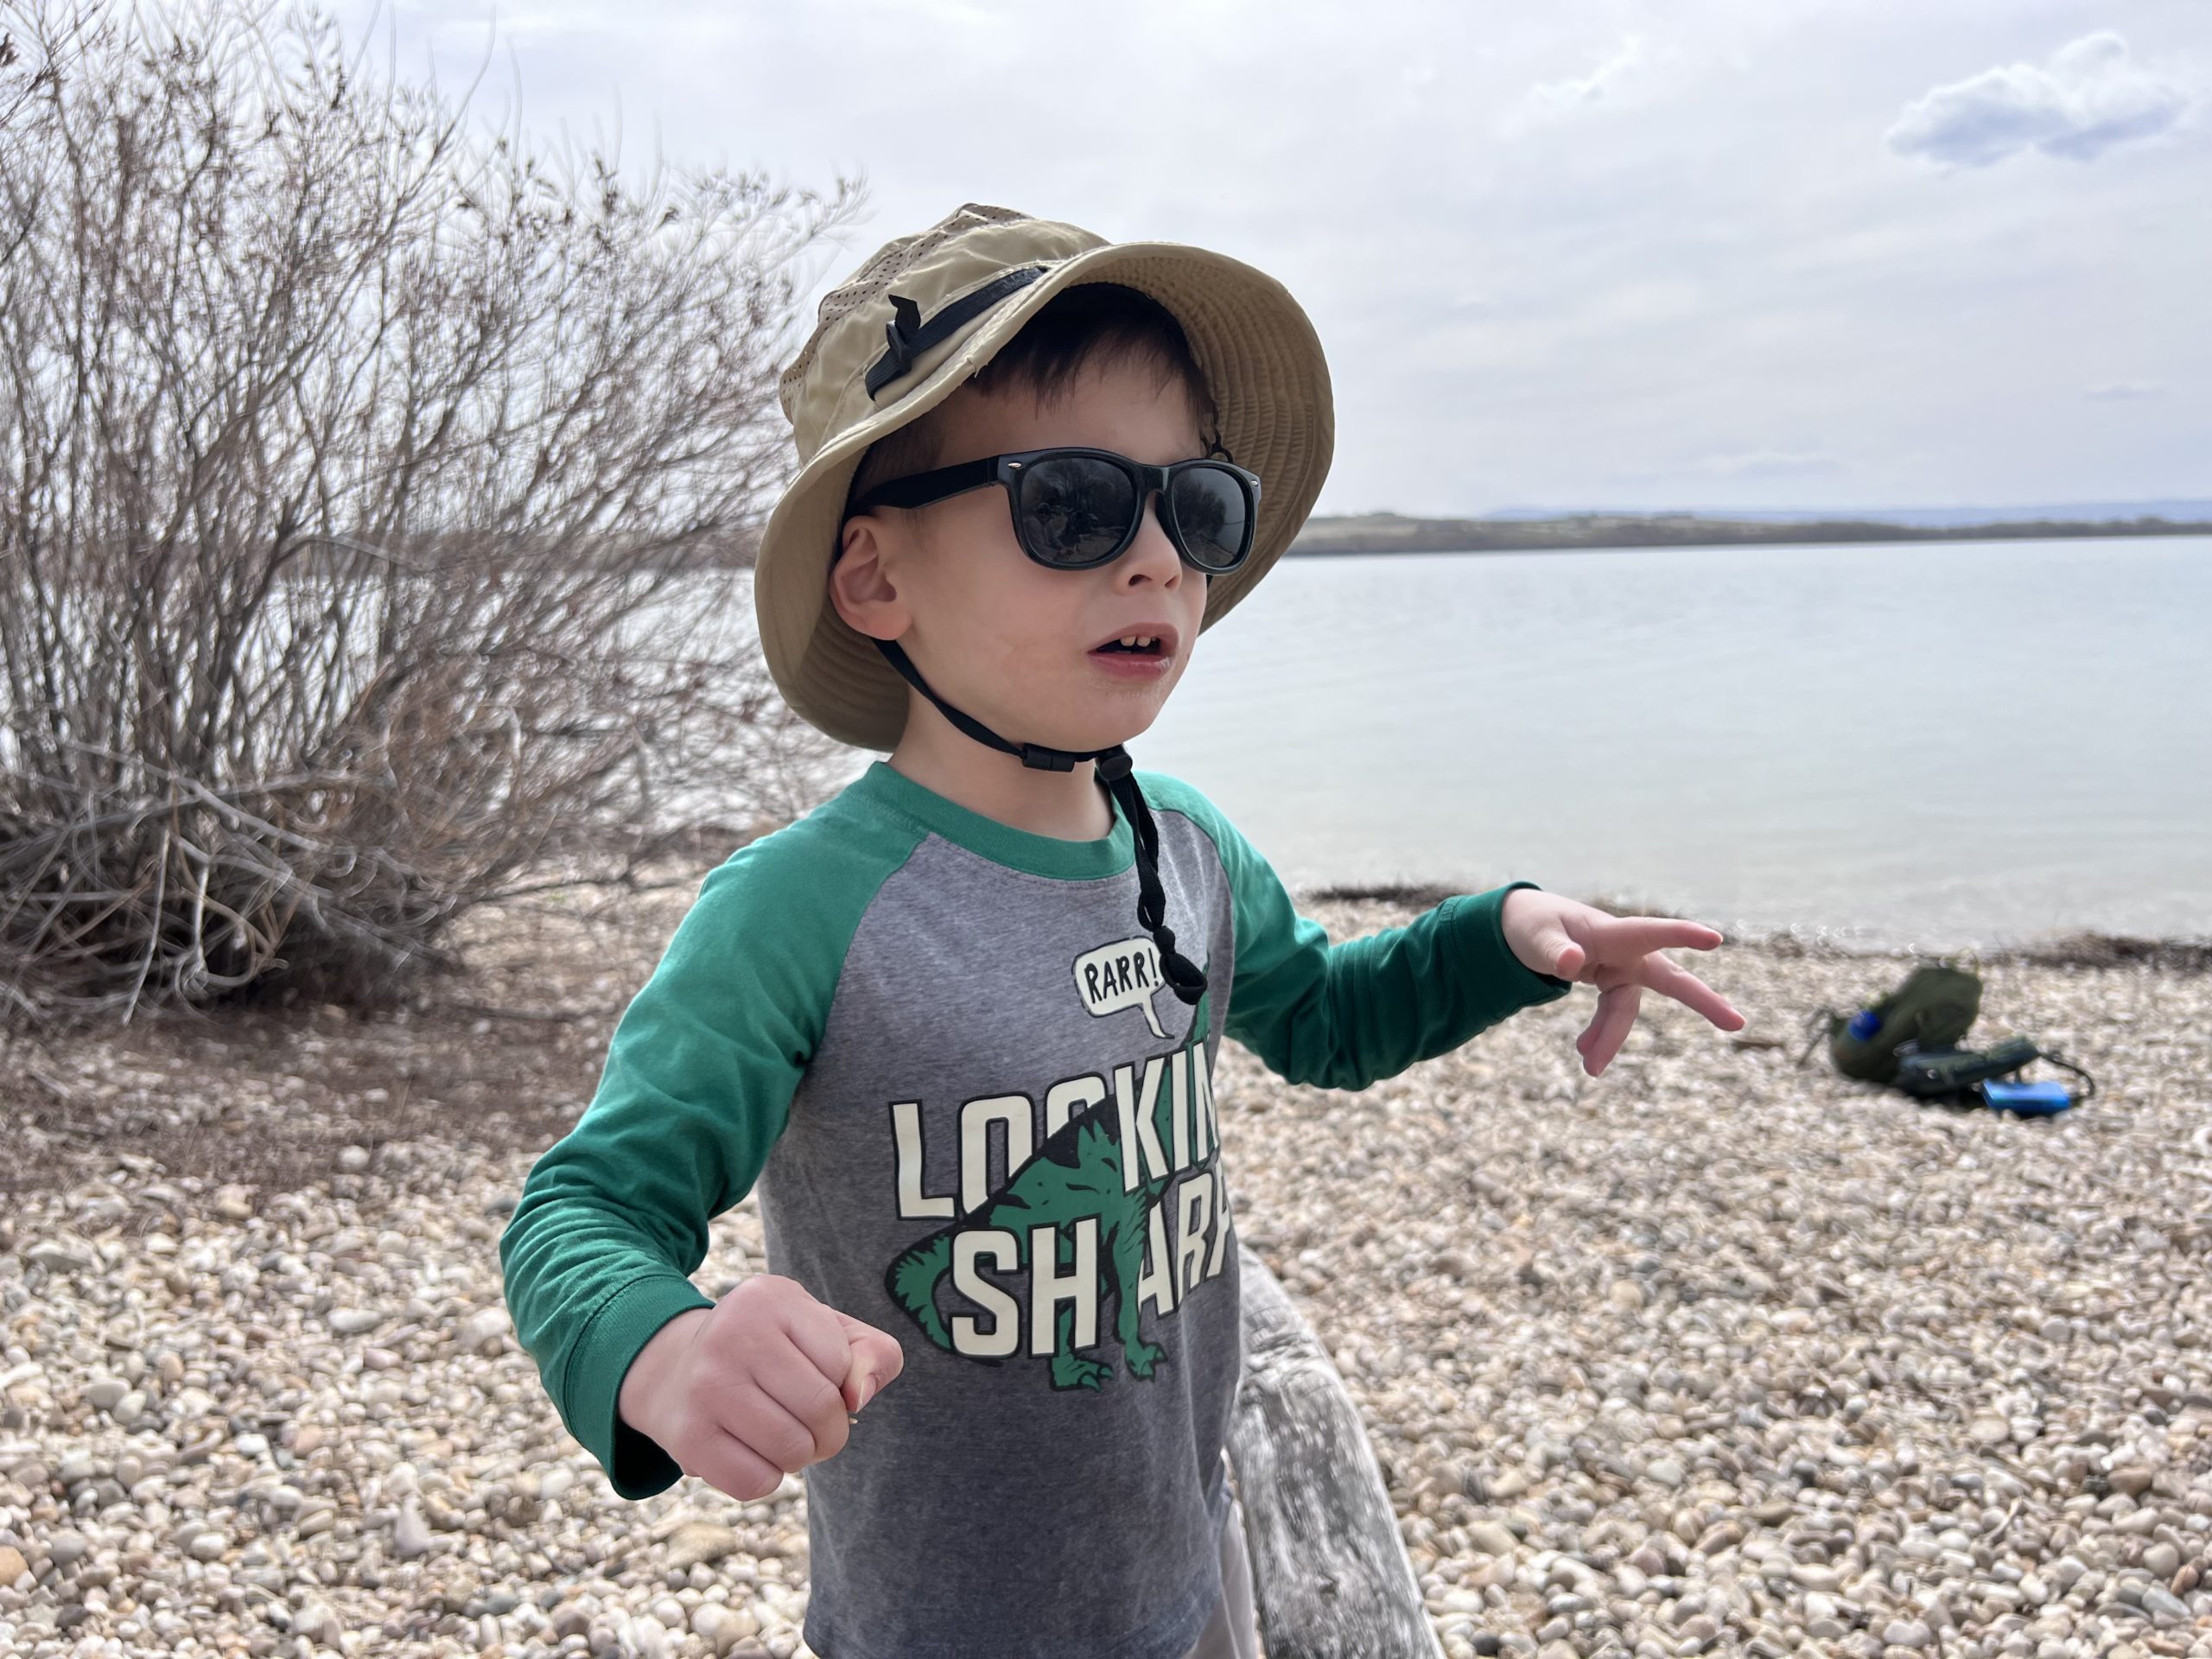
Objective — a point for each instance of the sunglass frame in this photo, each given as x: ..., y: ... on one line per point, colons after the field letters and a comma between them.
x: 1013, y: 469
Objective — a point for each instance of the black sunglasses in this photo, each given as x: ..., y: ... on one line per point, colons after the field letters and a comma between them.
x: 1075, y: 509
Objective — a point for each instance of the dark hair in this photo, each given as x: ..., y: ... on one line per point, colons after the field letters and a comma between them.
x: 1103, y: 322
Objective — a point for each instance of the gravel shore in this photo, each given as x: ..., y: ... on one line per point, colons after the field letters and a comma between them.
x: 1714, y: 1353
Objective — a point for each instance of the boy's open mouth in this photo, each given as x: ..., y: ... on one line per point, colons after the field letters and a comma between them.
x: 1151, y: 640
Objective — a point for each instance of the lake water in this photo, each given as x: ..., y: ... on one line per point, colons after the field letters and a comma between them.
x: 1929, y: 745
x: 1903, y: 744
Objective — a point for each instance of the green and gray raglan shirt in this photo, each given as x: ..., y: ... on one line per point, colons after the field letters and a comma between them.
x: 979, y: 1119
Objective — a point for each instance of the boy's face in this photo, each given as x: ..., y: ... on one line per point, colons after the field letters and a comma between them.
x: 1005, y: 638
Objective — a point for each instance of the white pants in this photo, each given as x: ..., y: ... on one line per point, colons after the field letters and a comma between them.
x: 1233, y: 1632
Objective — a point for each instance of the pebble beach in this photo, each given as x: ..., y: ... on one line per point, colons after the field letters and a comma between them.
x: 1714, y: 1353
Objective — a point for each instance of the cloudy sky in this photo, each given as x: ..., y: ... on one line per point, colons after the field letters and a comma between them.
x: 1713, y: 252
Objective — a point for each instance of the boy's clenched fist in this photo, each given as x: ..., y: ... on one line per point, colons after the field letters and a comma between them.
x: 756, y: 1387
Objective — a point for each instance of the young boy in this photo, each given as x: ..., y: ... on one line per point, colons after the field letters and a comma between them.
x: 975, y: 1091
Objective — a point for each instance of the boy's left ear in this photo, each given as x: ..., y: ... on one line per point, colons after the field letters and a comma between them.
x: 859, y: 586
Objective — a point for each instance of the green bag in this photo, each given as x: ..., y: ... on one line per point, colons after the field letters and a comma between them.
x: 1933, y: 1009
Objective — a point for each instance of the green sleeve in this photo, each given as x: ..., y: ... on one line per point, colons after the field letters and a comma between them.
x: 698, y: 1080
x: 1344, y: 1015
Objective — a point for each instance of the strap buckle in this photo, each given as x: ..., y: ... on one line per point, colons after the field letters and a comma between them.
x: 901, y: 332
x: 907, y: 335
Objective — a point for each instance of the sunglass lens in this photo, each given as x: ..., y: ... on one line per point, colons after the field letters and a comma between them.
x: 1076, y: 509
x: 1212, y: 511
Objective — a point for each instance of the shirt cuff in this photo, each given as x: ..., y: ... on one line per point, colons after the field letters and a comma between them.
x: 635, y: 1464
x: 1478, y: 927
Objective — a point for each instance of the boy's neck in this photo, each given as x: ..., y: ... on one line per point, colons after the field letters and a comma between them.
x: 1067, y: 806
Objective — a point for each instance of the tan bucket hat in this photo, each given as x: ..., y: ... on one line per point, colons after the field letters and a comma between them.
x: 896, y: 337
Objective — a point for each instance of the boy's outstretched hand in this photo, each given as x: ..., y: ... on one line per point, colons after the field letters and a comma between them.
x: 1618, y: 954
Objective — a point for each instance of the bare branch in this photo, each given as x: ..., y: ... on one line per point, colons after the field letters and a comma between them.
x: 375, y: 497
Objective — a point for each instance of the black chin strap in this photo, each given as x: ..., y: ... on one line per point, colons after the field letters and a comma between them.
x: 1184, y: 977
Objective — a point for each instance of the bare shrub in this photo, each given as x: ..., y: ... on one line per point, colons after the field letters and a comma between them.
x: 377, y: 496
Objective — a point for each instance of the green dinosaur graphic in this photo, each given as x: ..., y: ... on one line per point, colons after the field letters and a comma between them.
x: 1076, y: 1172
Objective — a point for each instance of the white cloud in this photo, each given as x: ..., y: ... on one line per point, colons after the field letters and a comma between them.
x: 2124, y: 391
x: 1553, y: 98
x: 2086, y: 98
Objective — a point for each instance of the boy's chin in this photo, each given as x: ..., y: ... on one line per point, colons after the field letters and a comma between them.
x: 1103, y: 730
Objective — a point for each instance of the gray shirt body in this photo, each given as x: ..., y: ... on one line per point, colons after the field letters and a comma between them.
x: 978, y: 1118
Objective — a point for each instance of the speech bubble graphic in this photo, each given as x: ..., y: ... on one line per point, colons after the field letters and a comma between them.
x: 1121, y: 975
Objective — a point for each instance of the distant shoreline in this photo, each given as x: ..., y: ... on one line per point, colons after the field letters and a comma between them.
x: 2058, y: 947
x: 1388, y: 532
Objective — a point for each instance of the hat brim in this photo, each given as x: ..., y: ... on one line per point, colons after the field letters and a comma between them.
x: 1270, y: 382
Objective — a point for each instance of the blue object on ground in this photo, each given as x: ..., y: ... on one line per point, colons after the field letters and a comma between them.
x: 2030, y: 1099
x: 1865, y: 1024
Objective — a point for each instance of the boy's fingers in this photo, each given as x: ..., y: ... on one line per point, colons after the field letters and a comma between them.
x: 817, y: 1330
x: 1637, y: 936
x: 860, y: 1382
x: 790, y: 1431
x: 1557, y: 945
x: 874, y: 1359
x: 728, y: 1465
x: 1670, y: 979
x: 798, y: 1390
x: 1609, y: 1026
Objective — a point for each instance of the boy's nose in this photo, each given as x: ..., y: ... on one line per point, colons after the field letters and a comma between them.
x: 1151, y: 553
